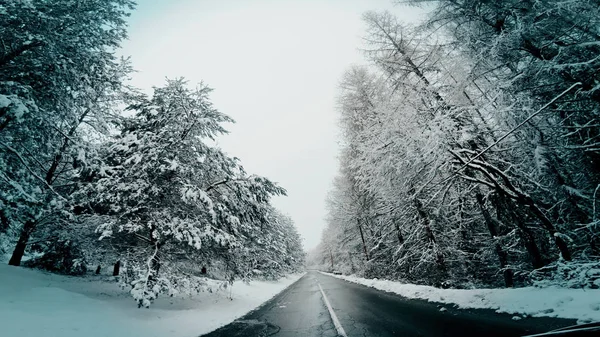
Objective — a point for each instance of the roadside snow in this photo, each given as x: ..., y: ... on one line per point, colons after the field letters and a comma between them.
x: 580, y: 304
x: 33, y: 303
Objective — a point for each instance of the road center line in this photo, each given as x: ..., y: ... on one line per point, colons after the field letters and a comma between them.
x: 336, y: 321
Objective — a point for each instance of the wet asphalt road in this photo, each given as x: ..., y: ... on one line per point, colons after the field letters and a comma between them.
x: 301, y: 311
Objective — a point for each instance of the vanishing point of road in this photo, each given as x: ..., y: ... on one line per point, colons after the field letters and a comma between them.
x: 321, y: 305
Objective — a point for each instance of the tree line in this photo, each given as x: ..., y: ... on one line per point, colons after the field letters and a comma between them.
x: 93, y: 171
x: 470, y: 147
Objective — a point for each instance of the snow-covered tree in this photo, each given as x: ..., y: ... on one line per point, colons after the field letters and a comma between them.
x: 58, y: 81
x: 164, y: 194
x: 271, y: 252
x: 465, y: 183
x: 542, y: 57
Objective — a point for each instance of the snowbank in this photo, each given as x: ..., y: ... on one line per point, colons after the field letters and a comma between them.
x: 580, y: 304
x: 33, y: 303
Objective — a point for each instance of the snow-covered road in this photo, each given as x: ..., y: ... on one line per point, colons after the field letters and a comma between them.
x: 34, y: 304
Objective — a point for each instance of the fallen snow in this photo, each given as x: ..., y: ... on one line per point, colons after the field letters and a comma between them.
x: 33, y: 303
x: 580, y: 304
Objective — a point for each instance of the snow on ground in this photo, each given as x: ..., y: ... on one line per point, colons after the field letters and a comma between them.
x: 34, y: 303
x: 580, y: 304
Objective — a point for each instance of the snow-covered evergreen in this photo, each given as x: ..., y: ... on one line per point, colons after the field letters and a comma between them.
x: 165, y: 197
x: 83, y: 185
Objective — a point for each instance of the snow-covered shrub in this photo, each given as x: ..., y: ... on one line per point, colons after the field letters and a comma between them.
x: 145, y: 286
x: 144, y: 291
x: 576, y: 274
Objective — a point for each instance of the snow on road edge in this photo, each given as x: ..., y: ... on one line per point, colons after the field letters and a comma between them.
x: 580, y: 304
x: 34, y: 303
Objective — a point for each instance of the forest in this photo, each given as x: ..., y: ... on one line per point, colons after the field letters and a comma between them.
x: 470, y: 149
x: 96, y: 173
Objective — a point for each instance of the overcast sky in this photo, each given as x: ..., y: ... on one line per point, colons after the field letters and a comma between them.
x: 275, y: 67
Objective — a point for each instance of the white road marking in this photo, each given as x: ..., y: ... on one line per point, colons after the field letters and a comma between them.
x: 336, y: 321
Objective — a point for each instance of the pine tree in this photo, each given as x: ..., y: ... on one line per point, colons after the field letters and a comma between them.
x: 165, y: 195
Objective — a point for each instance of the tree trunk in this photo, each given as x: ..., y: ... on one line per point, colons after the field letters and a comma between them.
x: 532, y: 248
x: 117, y: 268
x: 155, y: 260
x: 508, y: 211
x: 19, y: 251
x: 493, y: 229
x: 549, y: 226
x: 63, y: 148
x: 440, y: 260
x: 154, y: 269
x: 29, y: 226
x: 423, y: 215
x: 522, y: 199
x: 399, y: 234
x: 331, y: 258
x: 362, y: 237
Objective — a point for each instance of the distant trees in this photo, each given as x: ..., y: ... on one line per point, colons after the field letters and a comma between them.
x: 468, y: 145
x: 74, y: 169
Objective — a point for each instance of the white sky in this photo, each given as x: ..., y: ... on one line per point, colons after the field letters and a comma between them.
x: 275, y: 67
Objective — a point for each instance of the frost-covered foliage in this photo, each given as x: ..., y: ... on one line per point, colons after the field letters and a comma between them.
x: 470, y: 147
x: 273, y: 251
x: 578, y: 274
x: 164, y: 202
x: 59, y: 84
x: 165, y: 197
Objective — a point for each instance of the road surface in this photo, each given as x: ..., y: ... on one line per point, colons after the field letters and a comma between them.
x: 301, y: 310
